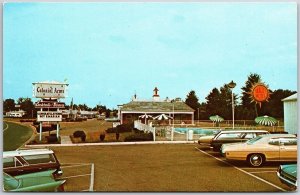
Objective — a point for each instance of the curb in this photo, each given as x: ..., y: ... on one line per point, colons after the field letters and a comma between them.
x: 112, y: 143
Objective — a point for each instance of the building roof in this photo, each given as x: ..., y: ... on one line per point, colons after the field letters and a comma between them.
x: 156, y: 106
x: 290, y: 98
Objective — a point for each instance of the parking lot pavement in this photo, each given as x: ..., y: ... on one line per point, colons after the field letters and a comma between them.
x: 162, y: 168
x: 266, y: 174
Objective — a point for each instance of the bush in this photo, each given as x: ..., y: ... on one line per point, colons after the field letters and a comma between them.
x: 121, y: 128
x: 139, y: 137
x: 80, y: 134
x: 136, y: 131
x: 52, y: 138
x: 102, y: 137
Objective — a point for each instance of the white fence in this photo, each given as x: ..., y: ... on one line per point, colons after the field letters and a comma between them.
x: 78, y: 176
x: 143, y: 127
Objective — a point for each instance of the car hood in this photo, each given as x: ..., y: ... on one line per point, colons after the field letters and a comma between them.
x: 206, y: 139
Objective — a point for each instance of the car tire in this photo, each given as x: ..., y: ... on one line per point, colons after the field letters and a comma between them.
x: 256, y: 160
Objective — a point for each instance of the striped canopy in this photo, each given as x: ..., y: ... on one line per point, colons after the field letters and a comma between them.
x: 266, y: 120
x: 145, y: 116
x: 216, y: 118
x: 162, y: 117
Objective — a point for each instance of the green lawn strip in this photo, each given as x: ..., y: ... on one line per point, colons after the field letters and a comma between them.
x: 15, y: 136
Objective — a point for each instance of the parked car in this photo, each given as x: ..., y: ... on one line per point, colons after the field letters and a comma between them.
x: 33, y: 182
x: 229, y: 136
x: 263, y: 148
x: 29, y: 161
x: 287, y: 174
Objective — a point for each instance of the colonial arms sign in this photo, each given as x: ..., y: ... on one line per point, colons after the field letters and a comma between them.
x: 49, y: 90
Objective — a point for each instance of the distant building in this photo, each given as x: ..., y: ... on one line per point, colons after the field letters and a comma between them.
x: 290, y: 109
x: 131, y: 111
x: 79, y: 114
x: 70, y: 114
x: 16, y: 113
x: 88, y: 114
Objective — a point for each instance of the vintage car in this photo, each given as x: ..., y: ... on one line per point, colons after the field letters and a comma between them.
x: 33, y: 182
x: 229, y: 136
x: 30, y: 160
x: 263, y: 148
x: 287, y: 174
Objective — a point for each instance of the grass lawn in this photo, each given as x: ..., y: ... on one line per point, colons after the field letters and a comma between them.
x: 15, y: 135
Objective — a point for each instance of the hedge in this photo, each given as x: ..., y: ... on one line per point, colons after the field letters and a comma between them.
x: 139, y: 137
x: 121, y: 128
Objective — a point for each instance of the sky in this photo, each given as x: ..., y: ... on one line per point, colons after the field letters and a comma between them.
x: 107, y: 52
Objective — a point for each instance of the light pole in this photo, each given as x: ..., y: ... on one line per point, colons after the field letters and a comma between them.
x: 231, y: 85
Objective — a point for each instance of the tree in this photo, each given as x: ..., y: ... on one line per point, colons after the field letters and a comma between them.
x: 226, y: 102
x: 193, y: 101
x: 219, y: 102
x: 274, y: 107
x: 9, y: 105
x: 27, y: 105
x: 213, y: 102
x: 246, y: 97
x: 83, y: 107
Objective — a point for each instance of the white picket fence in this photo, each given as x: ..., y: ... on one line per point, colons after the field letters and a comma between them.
x: 143, y: 127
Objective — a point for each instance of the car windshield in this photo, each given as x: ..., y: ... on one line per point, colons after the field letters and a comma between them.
x: 253, y: 140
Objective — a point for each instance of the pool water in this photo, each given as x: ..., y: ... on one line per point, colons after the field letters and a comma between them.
x: 196, y: 131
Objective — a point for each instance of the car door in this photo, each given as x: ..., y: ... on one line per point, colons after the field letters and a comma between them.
x: 288, y: 149
x: 271, y: 150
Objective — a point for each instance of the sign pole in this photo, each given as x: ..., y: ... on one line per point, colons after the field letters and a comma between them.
x: 41, y: 131
x: 57, y: 130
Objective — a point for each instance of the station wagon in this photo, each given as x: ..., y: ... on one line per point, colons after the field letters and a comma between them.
x: 28, y: 161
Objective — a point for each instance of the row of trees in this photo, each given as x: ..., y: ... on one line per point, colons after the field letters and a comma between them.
x: 218, y: 102
x: 27, y: 105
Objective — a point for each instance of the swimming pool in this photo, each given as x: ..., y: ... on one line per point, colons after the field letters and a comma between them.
x: 196, y: 131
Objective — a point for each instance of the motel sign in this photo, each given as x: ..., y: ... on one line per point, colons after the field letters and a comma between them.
x: 50, y: 93
x: 49, y: 90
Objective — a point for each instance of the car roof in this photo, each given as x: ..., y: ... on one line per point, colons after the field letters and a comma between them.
x: 243, y: 131
x: 279, y: 135
x: 26, y: 152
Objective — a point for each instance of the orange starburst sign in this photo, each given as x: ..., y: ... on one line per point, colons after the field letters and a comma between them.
x: 259, y: 93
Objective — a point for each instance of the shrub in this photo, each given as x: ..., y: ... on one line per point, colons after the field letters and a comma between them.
x: 139, y: 137
x: 125, y: 127
x: 35, y: 123
x: 121, y: 128
x: 52, y: 138
x: 80, y: 134
x: 136, y: 131
x: 102, y: 137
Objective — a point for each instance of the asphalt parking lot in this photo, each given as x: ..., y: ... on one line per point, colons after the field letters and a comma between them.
x: 265, y: 174
x: 166, y: 168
